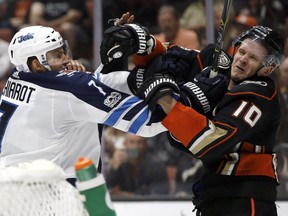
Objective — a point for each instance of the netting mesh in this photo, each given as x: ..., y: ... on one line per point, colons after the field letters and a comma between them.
x: 38, y: 188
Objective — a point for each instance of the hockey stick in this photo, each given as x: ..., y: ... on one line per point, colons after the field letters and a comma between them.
x: 219, y: 42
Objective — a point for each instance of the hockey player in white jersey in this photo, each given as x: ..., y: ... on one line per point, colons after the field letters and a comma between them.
x: 53, y: 113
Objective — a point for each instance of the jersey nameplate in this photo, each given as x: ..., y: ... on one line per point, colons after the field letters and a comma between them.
x: 18, y: 92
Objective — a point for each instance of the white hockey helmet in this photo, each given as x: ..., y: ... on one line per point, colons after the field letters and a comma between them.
x: 33, y: 41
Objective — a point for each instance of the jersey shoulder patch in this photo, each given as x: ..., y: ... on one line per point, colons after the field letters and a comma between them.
x: 224, y: 61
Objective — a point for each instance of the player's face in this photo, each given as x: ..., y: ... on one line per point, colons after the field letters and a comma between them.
x: 247, y: 60
x: 58, y: 59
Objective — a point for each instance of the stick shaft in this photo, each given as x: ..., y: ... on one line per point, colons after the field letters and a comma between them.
x: 220, y: 37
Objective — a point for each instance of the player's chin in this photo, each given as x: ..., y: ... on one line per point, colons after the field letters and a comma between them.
x: 237, y: 78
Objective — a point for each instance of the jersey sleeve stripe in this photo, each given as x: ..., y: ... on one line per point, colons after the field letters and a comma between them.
x: 139, y: 121
x: 222, y: 134
x: 121, y: 110
x: 184, y: 123
x: 253, y: 93
x: 207, y: 138
x: 200, y: 61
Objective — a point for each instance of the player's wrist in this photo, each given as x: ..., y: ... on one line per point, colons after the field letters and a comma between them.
x: 167, y: 103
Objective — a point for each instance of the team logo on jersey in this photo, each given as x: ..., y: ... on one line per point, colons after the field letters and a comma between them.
x: 112, y: 99
x: 16, y: 74
x: 68, y: 73
x: 224, y: 61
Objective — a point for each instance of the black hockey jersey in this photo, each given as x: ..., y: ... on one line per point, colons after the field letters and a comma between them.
x: 236, y: 145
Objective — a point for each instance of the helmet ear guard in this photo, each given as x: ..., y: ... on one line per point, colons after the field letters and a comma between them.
x: 33, y: 41
x: 272, y: 41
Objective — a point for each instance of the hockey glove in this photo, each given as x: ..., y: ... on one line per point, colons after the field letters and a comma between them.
x: 178, y: 62
x: 125, y: 40
x: 204, y: 93
x: 139, y: 74
x: 155, y: 87
x: 206, y: 56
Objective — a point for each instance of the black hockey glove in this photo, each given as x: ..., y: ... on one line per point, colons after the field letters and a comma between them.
x: 139, y: 74
x: 178, y: 62
x: 125, y: 40
x: 204, y: 93
x: 206, y: 56
x: 155, y: 87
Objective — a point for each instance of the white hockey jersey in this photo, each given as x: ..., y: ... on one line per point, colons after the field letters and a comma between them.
x: 55, y: 116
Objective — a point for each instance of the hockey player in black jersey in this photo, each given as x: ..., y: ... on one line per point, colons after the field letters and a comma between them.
x: 236, y: 143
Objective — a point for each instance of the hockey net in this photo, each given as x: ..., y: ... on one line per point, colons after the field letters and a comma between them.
x: 38, y: 188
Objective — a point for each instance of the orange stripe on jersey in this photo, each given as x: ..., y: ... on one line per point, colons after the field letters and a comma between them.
x: 253, y: 93
x: 184, y: 123
x: 200, y: 61
x: 143, y: 60
x: 247, y: 147
x: 255, y: 164
x: 252, y: 201
x: 172, y: 45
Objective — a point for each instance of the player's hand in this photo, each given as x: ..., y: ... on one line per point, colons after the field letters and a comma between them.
x: 204, y: 93
x: 140, y: 74
x: 178, y: 62
x: 126, y: 18
x: 75, y: 65
x: 206, y: 56
x: 125, y: 40
x: 155, y: 87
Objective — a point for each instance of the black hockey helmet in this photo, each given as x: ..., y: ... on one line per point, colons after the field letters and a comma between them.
x: 271, y: 40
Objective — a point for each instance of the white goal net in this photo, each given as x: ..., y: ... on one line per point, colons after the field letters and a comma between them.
x: 38, y: 188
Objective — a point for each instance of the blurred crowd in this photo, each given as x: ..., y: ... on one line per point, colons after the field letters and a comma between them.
x: 134, y: 165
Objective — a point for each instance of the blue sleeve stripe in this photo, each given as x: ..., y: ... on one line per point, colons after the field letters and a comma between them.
x: 117, y: 113
x: 97, y: 76
x: 139, y: 122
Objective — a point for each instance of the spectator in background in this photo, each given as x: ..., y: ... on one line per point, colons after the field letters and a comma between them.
x: 170, y: 30
x: 241, y: 23
x: 13, y: 16
x: 269, y: 13
x: 112, y: 139
x: 146, y: 11
x: 189, y: 171
x: 141, y: 174
x: 182, y: 169
x: 5, y: 64
x: 282, y: 136
x: 64, y: 16
x: 194, y: 17
x: 180, y: 5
